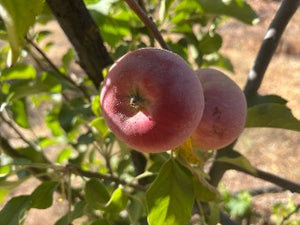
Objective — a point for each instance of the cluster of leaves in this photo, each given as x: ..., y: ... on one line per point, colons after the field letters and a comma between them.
x: 69, y: 118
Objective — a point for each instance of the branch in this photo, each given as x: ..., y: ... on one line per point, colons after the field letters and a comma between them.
x: 76, y: 170
x: 133, y: 4
x: 279, y: 181
x: 83, y: 33
x: 54, y: 67
x: 262, y: 190
x: 269, y: 45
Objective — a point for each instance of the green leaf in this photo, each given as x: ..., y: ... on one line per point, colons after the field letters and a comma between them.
x: 230, y: 8
x: 67, y: 59
x: 96, y: 194
x: 31, y: 154
x: 47, y: 82
x: 19, y: 112
x: 219, y: 60
x: 19, y: 71
x: 272, y: 115
x: 3, y: 193
x: 91, y: 1
x: 262, y: 99
x: 4, y: 170
x: 100, y: 125
x: 76, y: 213
x: 117, y: 202
x: 235, y: 158
x: 42, y: 196
x: 170, y: 198
x: 202, y: 192
x: 96, y: 105
x: 14, y: 210
x: 18, y: 16
x: 64, y: 155
x: 210, y: 43
x: 136, y: 208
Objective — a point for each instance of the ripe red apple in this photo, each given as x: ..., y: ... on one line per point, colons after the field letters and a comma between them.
x: 224, y: 113
x: 152, y: 100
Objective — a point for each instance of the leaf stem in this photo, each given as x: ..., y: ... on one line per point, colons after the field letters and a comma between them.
x: 133, y: 4
x: 269, y: 45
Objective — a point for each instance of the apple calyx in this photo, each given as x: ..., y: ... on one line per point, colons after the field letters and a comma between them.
x: 136, y: 101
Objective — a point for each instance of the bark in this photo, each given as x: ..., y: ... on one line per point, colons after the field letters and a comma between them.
x: 84, y: 35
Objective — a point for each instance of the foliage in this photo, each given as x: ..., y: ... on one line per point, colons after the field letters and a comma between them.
x: 37, y: 94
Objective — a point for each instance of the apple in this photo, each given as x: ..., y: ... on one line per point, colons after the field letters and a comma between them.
x: 224, y: 113
x: 152, y: 100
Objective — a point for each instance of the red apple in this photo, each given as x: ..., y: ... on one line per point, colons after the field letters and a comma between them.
x: 224, y: 113
x: 152, y: 100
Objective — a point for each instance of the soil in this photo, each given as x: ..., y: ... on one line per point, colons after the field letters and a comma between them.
x: 273, y: 150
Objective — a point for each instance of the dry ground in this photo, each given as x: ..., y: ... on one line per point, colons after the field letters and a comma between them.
x: 273, y: 150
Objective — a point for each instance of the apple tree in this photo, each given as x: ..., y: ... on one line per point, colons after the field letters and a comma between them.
x: 52, y: 126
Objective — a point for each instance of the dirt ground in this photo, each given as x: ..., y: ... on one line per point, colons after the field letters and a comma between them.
x: 273, y: 150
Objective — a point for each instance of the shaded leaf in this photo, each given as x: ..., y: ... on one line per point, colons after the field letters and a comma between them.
x: 262, y: 99
x: 14, y: 210
x: 42, y: 196
x: 272, y: 115
x: 96, y: 194
x: 170, y: 198
x: 235, y: 158
x: 231, y: 8
x: 210, y: 43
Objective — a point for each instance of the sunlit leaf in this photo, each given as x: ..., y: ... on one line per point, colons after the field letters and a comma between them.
x: 42, y: 196
x: 272, y: 115
x: 64, y: 155
x: 19, y: 112
x: 100, y: 124
x: 117, y: 202
x: 170, y: 197
x: 18, y: 16
x: 19, y: 71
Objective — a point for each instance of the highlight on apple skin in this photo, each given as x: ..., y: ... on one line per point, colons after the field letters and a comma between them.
x: 224, y: 113
x: 152, y: 100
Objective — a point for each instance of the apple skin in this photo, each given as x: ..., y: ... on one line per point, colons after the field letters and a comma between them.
x: 152, y: 100
x: 224, y: 113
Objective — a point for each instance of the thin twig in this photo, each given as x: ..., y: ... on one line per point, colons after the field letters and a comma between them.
x: 54, y: 67
x: 16, y: 130
x: 290, y: 214
x: 76, y: 170
x: 262, y: 190
x: 133, y: 4
x: 269, y: 45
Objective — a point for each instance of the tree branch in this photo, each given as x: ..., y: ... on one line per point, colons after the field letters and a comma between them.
x: 133, y: 4
x: 57, y: 71
x: 83, y: 33
x: 266, y: 176
x: 269, y: 45
x: 76, y: 170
